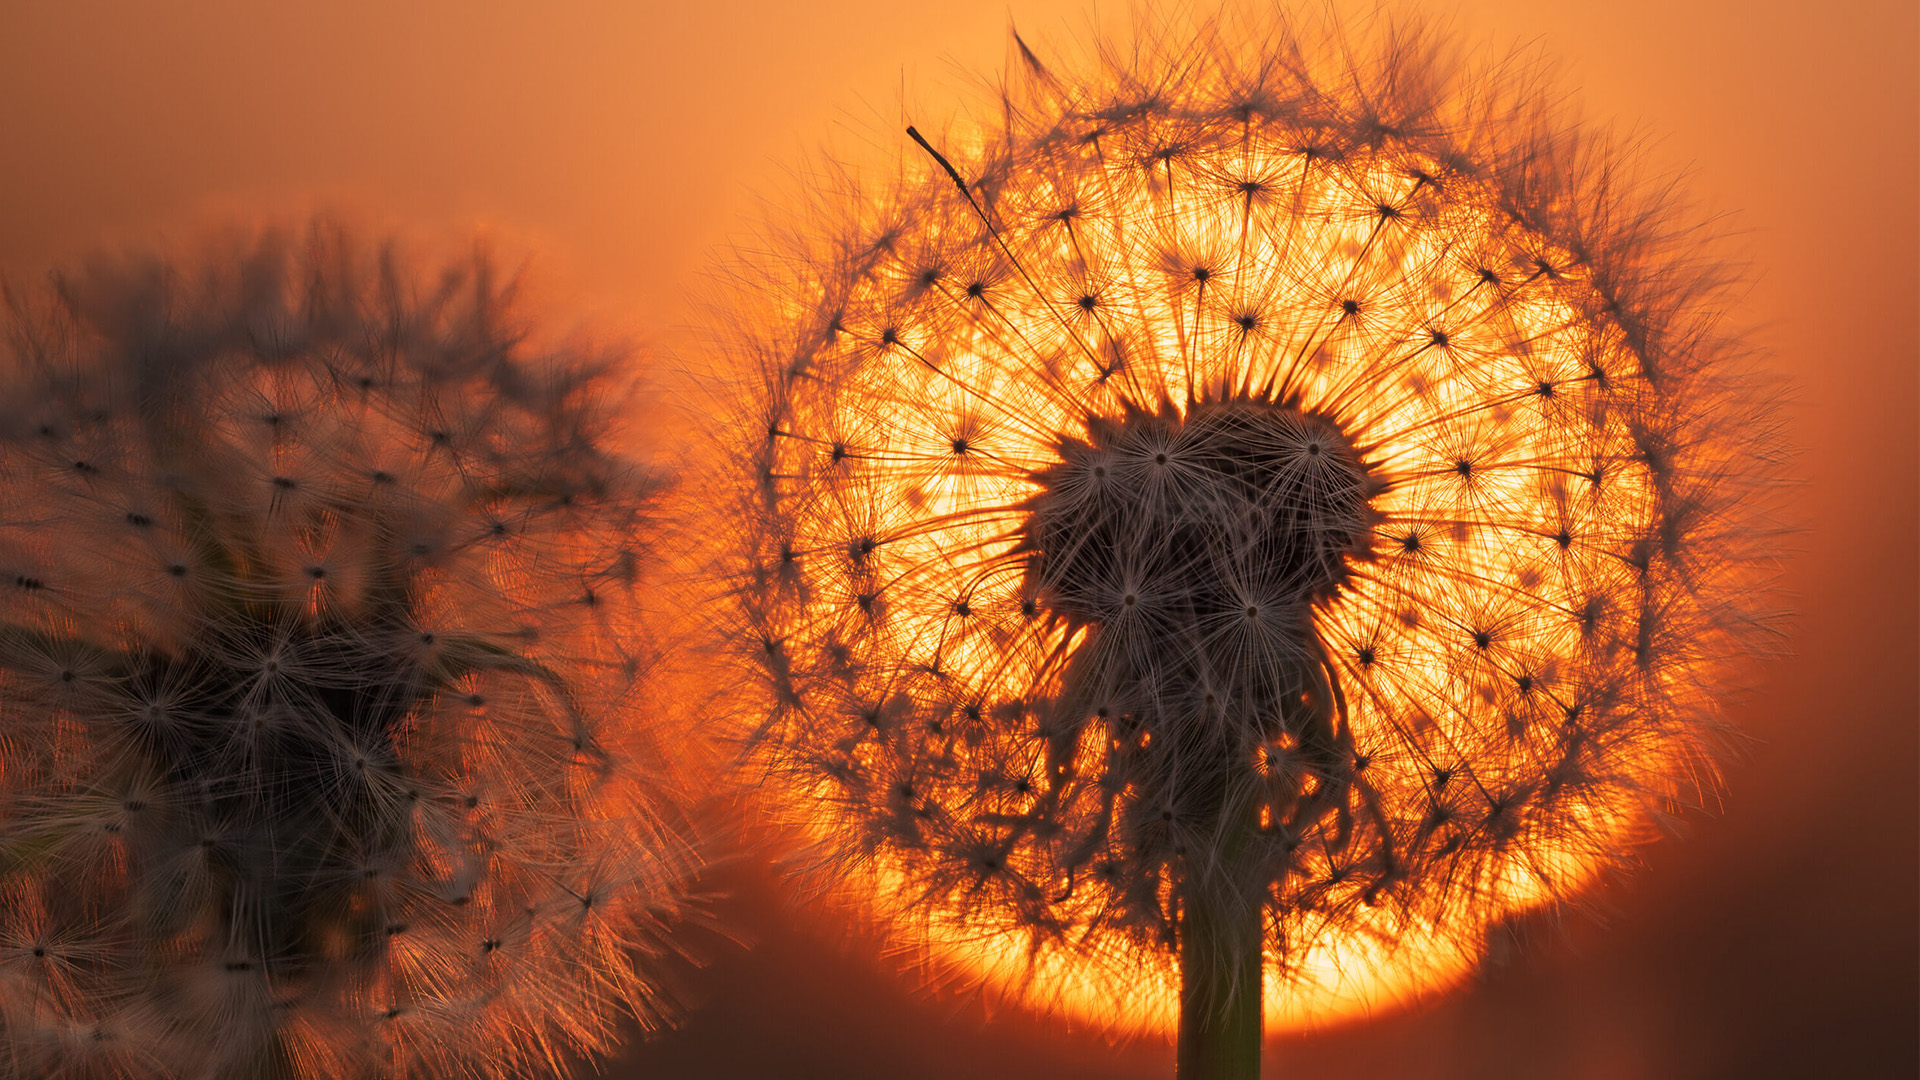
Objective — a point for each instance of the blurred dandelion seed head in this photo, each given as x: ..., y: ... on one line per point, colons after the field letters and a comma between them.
x: 1312, y: 434
x: 326, y: 750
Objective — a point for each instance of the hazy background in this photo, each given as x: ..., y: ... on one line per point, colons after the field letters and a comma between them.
x: 623, y: 141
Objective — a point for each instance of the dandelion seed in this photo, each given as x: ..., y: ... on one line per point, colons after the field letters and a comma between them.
x: 311, y: 764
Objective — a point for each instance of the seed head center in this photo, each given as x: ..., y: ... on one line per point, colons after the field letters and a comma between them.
x: 1233, y: 509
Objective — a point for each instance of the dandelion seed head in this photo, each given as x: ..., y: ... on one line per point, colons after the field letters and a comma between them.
x: 315, y: 761
x: 1349, y: 447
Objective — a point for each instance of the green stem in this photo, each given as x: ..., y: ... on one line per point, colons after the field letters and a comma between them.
x: 1220, y: 968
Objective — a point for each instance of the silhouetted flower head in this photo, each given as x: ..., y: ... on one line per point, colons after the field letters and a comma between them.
x: 1264, y: 467
x: 322, y: 745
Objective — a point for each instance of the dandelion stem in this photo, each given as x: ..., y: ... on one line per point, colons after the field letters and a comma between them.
x: 1220, y: 928
x: 1220, y: 965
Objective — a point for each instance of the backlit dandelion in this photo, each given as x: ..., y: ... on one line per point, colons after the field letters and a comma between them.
x: 1239, y: 524
x: 322, y: 743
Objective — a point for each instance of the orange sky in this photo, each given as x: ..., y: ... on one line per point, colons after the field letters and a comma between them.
x: 622, y: 141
